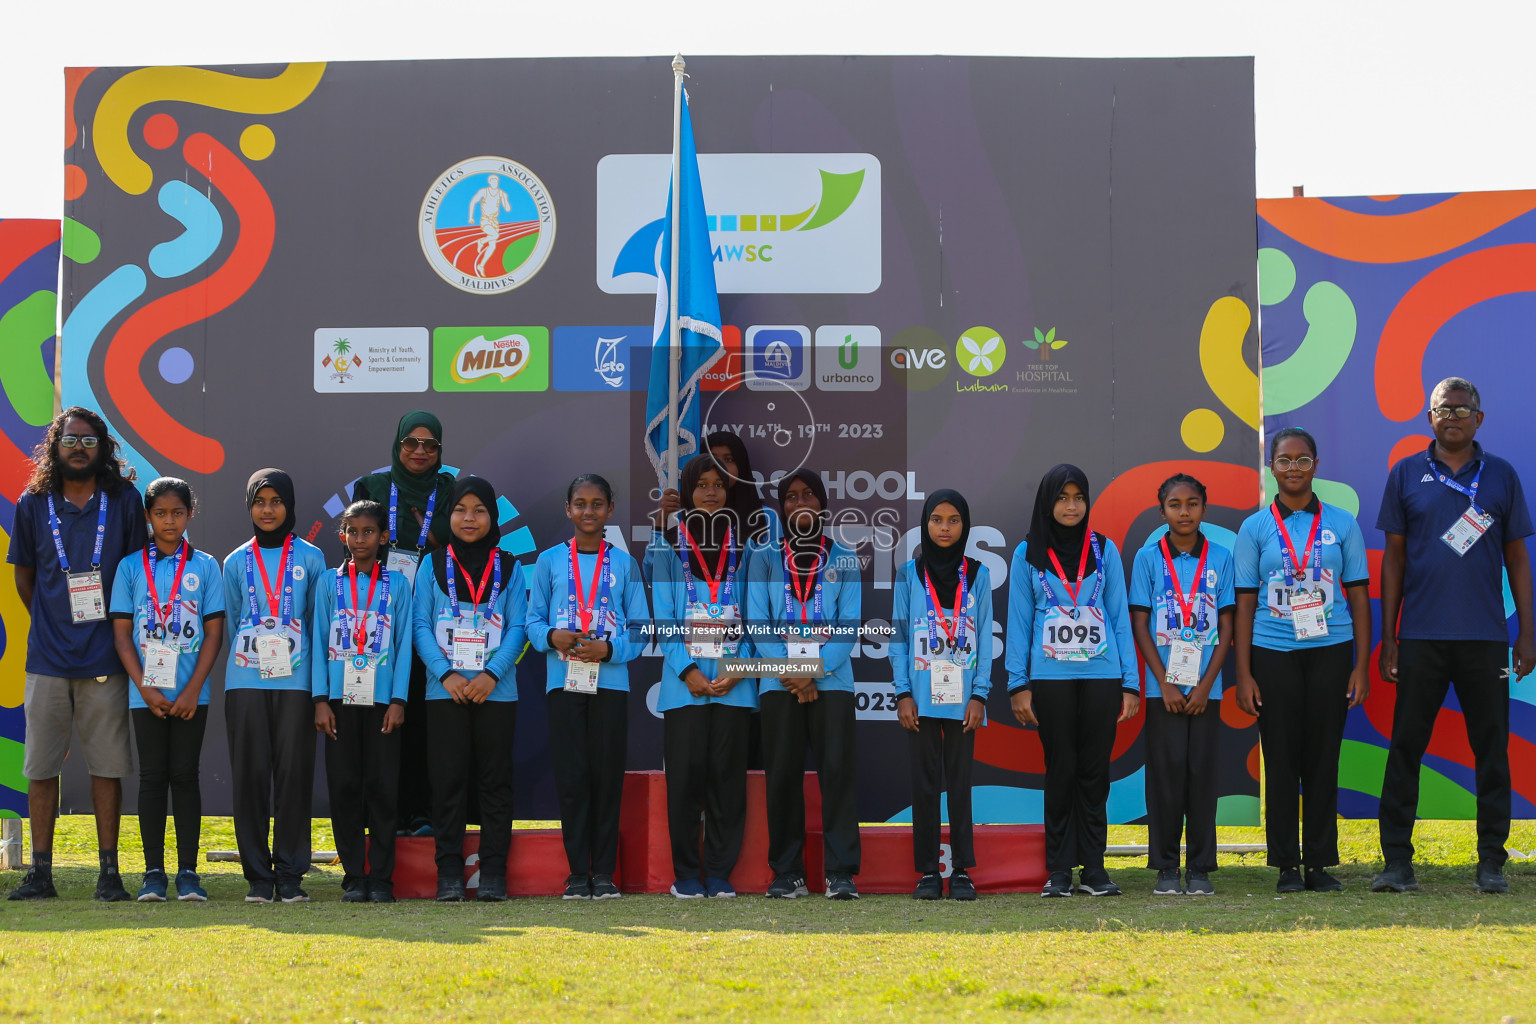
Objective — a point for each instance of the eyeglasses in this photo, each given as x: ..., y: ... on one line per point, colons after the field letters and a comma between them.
x: 430, y: 445
x: 1284, y: 463
x: 83, y: 440
x: 1445, y: 412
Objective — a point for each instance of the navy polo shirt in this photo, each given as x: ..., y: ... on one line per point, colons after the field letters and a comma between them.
x: 56, y: 645
x: 1447, y: 596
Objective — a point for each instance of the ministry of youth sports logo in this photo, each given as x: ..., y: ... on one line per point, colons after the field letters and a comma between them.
x: 487, y: 225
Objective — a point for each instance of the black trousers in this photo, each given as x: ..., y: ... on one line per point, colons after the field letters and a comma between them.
x: 414, y: 803
x: 169, y: 752
x: 825, y: 727
x: 1077, y: 731
x: 1425, y: 670
x: 1301, y: 726
x: 1182, y: 762
x: 588, y: 740
x: 465, y: 742
x: 362, y: 774
x: 704, y: 750
x: 272, y: 765
x: 942, y: 755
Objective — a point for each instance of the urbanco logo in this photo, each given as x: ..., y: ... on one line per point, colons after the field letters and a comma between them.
x: 848, y: 357
x: 779, y: 223
x: 487, y: 225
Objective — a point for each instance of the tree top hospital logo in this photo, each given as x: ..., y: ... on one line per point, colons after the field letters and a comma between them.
x: 487, y: 225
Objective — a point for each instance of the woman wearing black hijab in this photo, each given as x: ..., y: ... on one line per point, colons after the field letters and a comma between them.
x: 941, y: 664
x: 804, y: 597
x: 269, y: 599
x: 468, y: 622
x: 1071, y: 671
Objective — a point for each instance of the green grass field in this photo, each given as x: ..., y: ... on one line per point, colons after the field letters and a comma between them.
x: 1444, y: 954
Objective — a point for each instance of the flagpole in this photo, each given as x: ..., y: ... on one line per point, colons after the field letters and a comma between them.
x: 679, y: 66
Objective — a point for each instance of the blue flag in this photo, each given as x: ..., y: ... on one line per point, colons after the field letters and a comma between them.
x: 698, y: 311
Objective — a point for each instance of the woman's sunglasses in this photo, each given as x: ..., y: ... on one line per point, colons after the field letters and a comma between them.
x: 430, y: 445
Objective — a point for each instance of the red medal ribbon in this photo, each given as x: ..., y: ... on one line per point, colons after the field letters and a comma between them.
x: 1082, y: 570
x: 584, y: 609
x: 715, y: 580
x: 358, y: 613
x: 949, y: 626
x: 1186, y: 605
x: 282, y: 574
x: 149, y: 577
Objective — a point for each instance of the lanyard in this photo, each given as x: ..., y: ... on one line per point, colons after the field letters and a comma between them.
x: 1172, y: 593
x: 359, y: 612
x: 284, y: 612
x: 1294, y: 568
x: 1471, y: 492
x: 576, y: 609
x: 793, y: 591
x: 171, y: 617
x: 726, y: 562
x: 58, y: 539
x: 426, y: 519
x: 1082, y: 565
x: 474, y: 592
x: 956, y: 632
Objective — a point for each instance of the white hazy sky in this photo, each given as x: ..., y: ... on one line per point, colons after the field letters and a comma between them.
x: 1350, y: 97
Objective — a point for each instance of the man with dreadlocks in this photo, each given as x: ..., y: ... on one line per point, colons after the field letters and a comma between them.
x: 78, y: 519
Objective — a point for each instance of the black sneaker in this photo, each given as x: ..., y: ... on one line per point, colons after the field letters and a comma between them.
x: 604, y: 889
x: 109, y: 888
x: 929, y: 887
x: 1059, y: 884
x: 493, y: 889
x: 1319, y: 880
x: 577, y: 887
x: 357, y: 894
x: 260, y: 892
x: 1095, y: 882
x: 36, y: 886
x: 381, y: 892
x: 787, y: 886
x: 1490, y: 878
x: 289, y: 892
x: 1198, y: 883
x: 450, y: 890
x: 961, y: 887
x: 1397, y: 876
x: 1168, y: 883
x: 840, y: 886
x: 1290, y: 880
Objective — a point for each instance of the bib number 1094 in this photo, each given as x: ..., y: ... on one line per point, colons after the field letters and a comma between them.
x: 1079, y: 634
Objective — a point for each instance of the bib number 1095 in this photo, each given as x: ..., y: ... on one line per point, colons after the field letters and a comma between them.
x: 1079, y: 634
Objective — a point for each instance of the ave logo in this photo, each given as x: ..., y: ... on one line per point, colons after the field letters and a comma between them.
x: 919, y: 358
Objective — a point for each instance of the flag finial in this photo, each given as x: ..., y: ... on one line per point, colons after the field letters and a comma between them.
x: 679, y: 66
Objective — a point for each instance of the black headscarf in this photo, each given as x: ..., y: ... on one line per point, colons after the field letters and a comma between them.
x: 804, y: 547
x: 1046, y: 533
x: 708, y: 530
x: 472, y: 556
x: 742, y: 497
x: 415, y: 489
x: 282, y: 483
x: 943, y: 564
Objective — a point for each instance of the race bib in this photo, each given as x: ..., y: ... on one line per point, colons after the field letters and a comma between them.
x: 357, y: 679
x: 468, y: 653
x: 272, y: 658
x: 1309, y: 612
x: 1467, y: 531
x: 712, y: 630
x: 85, y: 600
x: 1280, y: 597
x: 159, y: 662
x: 1074, y: 634
x: 946, y: 683
x: 403, y: 562
x: 581, y: 676
x: 1183, y: 667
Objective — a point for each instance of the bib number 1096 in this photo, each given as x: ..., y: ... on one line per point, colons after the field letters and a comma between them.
x: 1079, y: 634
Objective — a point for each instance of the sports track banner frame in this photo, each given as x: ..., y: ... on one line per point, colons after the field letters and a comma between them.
x: 949, y: 271
x: 1368, y: 302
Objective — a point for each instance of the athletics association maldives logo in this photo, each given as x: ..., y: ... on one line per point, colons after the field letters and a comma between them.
x: 487, y: 225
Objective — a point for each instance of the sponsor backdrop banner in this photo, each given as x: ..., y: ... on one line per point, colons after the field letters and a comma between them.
x: 29, y: 269
x: 933, y: 272
x: 1369, y: 301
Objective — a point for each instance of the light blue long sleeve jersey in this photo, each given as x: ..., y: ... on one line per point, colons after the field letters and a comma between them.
x: 392, y: 674
x: 309, y: 573
x: 627, y: 612
x: 201, y: 599
x: 659, y: 543
x: 504, y: 622
x: 1028, y: 607
x: 838, y: 628
x: 910, y: 673
x: 670, y: 593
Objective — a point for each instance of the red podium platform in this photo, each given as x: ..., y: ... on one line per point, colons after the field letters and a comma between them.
x: 1009, y: 858
x: 535, y: 866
